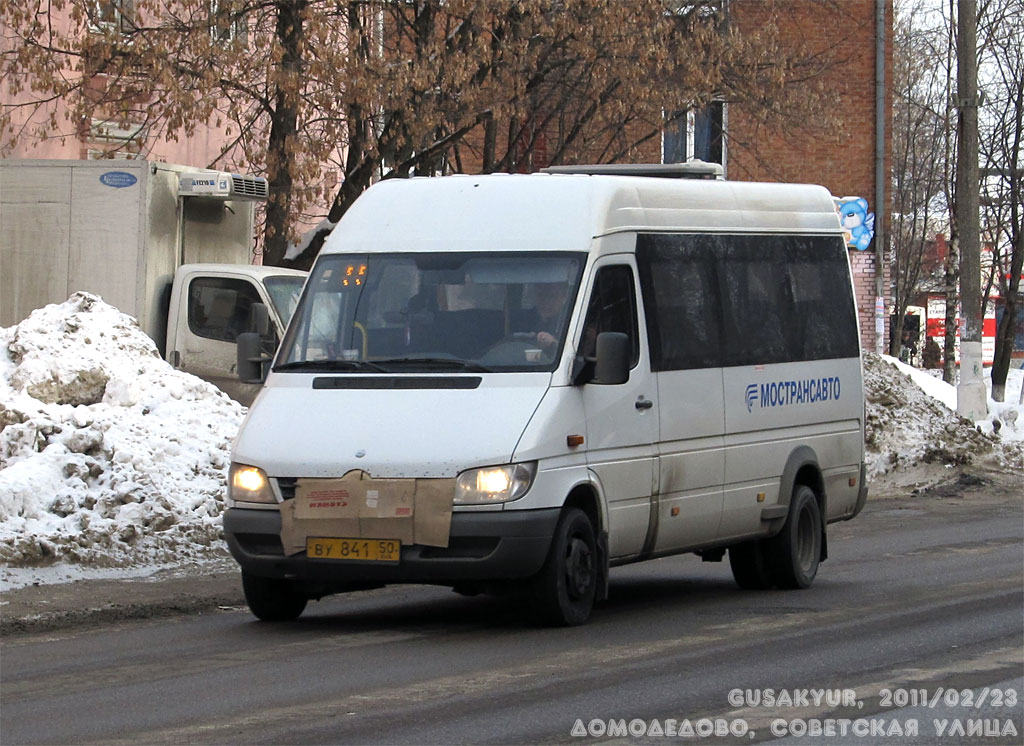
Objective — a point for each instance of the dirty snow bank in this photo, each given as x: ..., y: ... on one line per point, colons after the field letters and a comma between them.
x: 109, y: 457
x: 911, y: 420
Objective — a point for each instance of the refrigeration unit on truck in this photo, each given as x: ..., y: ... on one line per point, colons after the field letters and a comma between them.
x: 169, y: 245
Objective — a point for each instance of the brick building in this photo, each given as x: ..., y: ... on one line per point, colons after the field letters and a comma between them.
x: 844, y: 161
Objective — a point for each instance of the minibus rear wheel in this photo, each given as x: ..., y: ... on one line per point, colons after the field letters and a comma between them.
x: 796, y: 549
x: 272, y: 599
x: 567, y: 584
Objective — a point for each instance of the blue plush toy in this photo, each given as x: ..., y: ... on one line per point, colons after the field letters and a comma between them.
x: 853, y: 212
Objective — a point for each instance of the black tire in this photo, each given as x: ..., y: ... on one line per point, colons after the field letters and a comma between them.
x: 272, y: 599
x: 567, y: 584
x: 750, y: 566
x: 796, y: 550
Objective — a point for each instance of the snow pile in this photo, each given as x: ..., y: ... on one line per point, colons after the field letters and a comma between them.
x: 108, y: 456
x: 911, y: 420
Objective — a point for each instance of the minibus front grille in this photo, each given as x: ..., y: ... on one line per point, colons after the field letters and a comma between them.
x: 286, y: 485
x: 397, y: 382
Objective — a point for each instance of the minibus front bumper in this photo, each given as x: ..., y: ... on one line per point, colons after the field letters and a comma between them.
x: 483, y: 546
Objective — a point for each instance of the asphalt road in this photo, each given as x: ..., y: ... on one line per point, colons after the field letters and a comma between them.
x: 917, y: 619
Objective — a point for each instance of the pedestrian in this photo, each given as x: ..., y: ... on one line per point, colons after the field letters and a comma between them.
x: 932, y: 355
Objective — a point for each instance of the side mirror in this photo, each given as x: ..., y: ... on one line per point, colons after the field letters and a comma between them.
x: 259, y: 319
x: 251, y: 360
x: 614, y: 351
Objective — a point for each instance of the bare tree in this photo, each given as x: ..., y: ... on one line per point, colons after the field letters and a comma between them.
x: 919, y: 156
x: 370, y: 89
x: 1001, y: 27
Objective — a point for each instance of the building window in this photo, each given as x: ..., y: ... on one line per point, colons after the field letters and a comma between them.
x: 109, y: 139
x: 226, y: 24
x: 110, y: 15
x: 695, y: 133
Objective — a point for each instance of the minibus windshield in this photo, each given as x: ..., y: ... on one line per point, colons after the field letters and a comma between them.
x: 444, y: 311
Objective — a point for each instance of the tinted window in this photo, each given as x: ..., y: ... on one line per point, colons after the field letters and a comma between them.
x: 679, y: 283
x: 746, y: 300
x: 612, y: 308
x: 218, y: 307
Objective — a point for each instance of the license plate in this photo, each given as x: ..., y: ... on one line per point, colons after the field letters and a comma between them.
x: 370, y: 550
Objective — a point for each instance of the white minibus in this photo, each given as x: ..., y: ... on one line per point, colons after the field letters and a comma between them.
x: 515, y: 382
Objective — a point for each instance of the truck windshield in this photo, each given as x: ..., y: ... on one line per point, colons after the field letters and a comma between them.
x: 284, y: 293
x: 452, y: 311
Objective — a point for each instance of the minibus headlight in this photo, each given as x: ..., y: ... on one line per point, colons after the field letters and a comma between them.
x: 248, y: 484
x: 494, y: 484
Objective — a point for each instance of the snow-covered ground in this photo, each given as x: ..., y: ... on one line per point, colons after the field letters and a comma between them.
x: 112, y: 463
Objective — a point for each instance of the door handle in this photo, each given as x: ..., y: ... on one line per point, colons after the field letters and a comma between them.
x: 642, y: 403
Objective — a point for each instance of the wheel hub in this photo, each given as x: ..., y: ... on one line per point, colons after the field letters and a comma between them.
x: 579, y: 568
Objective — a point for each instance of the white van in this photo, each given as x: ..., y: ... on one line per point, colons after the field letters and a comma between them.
x: 517, y: 381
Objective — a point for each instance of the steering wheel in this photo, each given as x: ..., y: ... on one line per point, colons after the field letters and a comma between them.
x: 511, y: 349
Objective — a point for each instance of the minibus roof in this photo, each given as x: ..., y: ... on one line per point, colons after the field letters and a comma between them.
x: 531, y: 212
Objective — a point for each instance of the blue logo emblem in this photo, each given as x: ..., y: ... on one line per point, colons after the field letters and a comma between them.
x: 751, y: 396
x: 118, y: 179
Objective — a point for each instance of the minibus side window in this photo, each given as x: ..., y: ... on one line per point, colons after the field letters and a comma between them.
x: 726, y: 300
x: 612, y: 308
x: 680, y: 291
x: 824, y: 317
x: 785, y: 299
x: 757, y: 302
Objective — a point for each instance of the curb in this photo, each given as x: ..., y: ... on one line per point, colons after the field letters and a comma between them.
x: 88, y: 603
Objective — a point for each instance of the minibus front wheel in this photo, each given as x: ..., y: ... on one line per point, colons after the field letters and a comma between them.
x: 272, y: 599
x: 566, y: 586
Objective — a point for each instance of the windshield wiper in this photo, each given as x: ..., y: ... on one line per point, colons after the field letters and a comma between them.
x: 436, y: 363
x: 330, y: 365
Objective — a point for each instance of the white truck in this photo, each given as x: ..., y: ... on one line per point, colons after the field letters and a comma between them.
x: 169, y: 245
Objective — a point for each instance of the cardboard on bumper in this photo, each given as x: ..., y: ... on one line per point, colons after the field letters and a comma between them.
x: 414, y: 511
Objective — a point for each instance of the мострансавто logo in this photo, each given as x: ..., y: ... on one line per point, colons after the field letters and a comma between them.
x: 788, y: 393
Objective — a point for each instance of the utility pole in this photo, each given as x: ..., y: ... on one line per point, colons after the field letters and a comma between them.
x: 971, y: 398
x: 880, y: 178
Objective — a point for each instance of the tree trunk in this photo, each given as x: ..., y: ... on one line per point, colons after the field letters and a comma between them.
x: 283, y: 126
x: 952, y: 276
x: 896, y: 339
x: 1007, y: 331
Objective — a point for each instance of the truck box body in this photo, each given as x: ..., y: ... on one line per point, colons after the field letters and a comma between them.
x: 114, y: 228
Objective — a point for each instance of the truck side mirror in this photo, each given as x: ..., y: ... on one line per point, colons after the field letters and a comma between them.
x: 614, y: 351
x: 259, y: 320
x: 251, y: 360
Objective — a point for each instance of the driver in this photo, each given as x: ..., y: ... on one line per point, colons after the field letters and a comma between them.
x: 549, y: 301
